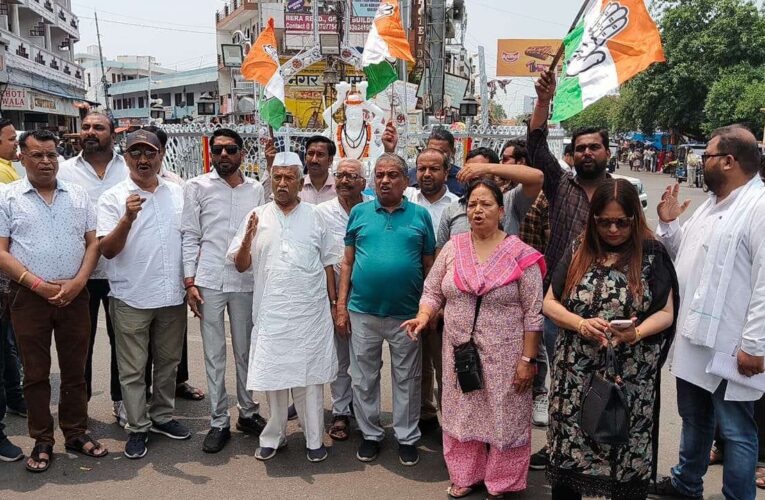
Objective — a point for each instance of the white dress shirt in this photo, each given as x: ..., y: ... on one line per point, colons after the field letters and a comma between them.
x: 49, y: 240
x: 435, y: 209
x: 212, y: 213
x: 293, y: 334
x: 77, y: 170
x: 742, y: 323
x: 148, y: 273
x: 335, y: 220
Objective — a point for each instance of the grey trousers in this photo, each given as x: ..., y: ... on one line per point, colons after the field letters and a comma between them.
x: 406, y: 373
x: 136, y: 331
x: 340, y: 389
x: 212, y: 326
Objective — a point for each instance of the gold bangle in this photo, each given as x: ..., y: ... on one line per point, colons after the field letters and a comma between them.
x: 579, y: 327
x: 638, y: 335
x: 21, y: 278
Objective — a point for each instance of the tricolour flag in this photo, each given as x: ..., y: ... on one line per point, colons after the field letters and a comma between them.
x: 386, y: 43
x: 262, y: 65
x: 614, y: 41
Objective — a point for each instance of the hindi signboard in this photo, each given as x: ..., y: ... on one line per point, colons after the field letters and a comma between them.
x: 525, y: 57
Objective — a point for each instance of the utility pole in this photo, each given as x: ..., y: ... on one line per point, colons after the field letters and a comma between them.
x: 104, y: 81
x: 484, y: 88
x: 436, y: 35
x: 148, y: 91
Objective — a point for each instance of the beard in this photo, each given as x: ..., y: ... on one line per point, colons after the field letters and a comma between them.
x: 226, y: 170
x: 714, y: 179
x: 95, y: 147
x: 591, y: 171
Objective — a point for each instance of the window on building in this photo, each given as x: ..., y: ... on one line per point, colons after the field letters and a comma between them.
x: 178, y: 99
x: 118, y: 104
x: 114, y: 78
x: 189, y: 98
x: 89, y: 84
x: 140, y: 102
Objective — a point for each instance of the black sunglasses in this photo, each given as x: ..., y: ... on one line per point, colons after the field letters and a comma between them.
x: 231, y: 149
x: 619, y: 222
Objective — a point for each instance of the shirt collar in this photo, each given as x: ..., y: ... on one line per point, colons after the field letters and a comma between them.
x: 132, y: 186
x: 330, y: 183
x: 215, y: 175
x: 27, y: 186
x: 402, y: 207
x: 6, y: 163
x: 86, y: 164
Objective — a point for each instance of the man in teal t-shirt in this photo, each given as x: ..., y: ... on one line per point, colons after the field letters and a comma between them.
x: 389, y: 248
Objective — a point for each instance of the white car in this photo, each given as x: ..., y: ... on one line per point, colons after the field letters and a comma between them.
x: 638, y: 185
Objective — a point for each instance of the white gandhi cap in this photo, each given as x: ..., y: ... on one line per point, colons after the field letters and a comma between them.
x: 288, y: 159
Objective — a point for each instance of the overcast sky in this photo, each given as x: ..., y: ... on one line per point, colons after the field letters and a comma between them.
x: 181, y: 33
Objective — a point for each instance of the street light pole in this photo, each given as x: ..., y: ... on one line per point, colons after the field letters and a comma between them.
x: 148, y: 90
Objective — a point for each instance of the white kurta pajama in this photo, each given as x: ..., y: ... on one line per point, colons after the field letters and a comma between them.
x: 292, y: 337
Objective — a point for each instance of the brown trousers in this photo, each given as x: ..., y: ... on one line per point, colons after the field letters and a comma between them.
x: 35, y: 321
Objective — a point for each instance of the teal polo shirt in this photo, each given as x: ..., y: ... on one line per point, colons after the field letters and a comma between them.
x: 387, y: 274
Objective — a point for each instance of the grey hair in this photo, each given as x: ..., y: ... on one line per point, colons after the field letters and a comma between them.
x: 298, y: 169
x: 356, y: 163
x: 395, y: 159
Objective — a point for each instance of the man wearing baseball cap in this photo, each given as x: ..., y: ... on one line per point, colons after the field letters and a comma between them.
x: 139, y: 228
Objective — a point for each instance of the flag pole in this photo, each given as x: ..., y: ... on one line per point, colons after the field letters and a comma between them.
x: 562, y: 47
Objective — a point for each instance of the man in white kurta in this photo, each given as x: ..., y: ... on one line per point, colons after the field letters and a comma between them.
x: 720, y: 259
x: 292, y: 346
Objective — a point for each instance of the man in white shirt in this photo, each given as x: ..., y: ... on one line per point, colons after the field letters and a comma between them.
x: 349, y: 183
x: 720, y: 258
x: 98, y: 168
x: 139, y: 226
x: 214, y: 207
x: 290, y: 252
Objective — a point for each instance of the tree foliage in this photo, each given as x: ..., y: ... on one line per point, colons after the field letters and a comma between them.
x: 599, y: 114
x: 736, y: 97
x: 704, y: 40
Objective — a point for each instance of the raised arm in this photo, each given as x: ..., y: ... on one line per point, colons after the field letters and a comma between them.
x: 530, y: 178
x: 113, y: 243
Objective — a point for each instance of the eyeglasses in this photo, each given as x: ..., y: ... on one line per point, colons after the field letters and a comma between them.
x: 38, y: 156
x: 150, y: 154
x: 346, y: 175
x: 231, y: 149
x: 391, y: 175
x: 705, y: 156
x: 619, y: 222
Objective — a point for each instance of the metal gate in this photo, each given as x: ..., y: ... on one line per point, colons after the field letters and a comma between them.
x: 185, y: 155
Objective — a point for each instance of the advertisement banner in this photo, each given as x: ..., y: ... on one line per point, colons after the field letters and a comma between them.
x: 15, y: 98
x: 298, y: 17
x: 526, y: 57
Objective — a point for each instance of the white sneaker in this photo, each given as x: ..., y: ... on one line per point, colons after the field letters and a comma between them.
x: 540, y: 416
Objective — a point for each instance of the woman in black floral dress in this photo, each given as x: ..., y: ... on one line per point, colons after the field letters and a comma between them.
x: 614, y: 271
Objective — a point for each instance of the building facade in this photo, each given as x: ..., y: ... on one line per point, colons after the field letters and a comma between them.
x: 45, y: 85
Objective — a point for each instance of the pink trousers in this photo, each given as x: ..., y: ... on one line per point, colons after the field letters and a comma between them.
x: 476, y: 462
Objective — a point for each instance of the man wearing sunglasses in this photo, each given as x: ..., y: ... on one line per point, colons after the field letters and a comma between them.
x: 719, y: 253
x: 139, y: 227
x: 215, y: 204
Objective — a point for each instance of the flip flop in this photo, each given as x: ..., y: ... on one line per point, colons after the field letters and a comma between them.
x: 186, y: 391
x: 339, y: 429
x: 35, y: 455
x: 467, y: 491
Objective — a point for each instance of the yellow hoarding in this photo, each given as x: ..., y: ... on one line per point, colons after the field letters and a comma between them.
x: 525, y: 57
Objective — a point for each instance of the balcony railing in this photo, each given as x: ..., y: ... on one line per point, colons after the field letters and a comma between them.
x: 56, y: 15
x: 233, y: 7
x: 25, y: 56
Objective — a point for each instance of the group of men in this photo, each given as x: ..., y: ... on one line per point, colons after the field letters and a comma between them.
x: 316, y: 276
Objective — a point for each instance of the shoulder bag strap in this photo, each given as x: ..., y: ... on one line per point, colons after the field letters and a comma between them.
x: 475, y: 318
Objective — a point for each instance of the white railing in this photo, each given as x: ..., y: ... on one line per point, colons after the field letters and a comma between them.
x: 26, y: 56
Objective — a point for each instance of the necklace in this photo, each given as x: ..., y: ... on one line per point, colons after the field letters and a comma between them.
x: 355, y: 142
x: 367, y: 129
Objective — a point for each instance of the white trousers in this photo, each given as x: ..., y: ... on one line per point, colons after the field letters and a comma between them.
x: 309, y: 403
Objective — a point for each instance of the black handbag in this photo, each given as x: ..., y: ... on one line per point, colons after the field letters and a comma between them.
x: 605, y: 414
x: 467, y: 362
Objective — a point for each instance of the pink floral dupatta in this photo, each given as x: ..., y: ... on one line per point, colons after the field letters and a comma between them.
x: 505, y: 265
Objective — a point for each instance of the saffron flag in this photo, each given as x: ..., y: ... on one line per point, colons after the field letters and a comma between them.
x: 386, y: 43
x: 614, y: 41
x: 262, y: 65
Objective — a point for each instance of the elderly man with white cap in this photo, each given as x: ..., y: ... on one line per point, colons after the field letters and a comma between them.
x: 139, y: 228
x: 292, y: 348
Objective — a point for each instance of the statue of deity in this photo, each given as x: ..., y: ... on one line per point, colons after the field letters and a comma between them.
x: 360, y: 136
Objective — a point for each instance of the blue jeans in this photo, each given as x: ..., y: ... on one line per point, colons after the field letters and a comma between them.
x: 699, y: 410
x: 545, y: 356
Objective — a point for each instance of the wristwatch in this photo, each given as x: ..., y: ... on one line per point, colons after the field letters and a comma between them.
x: 529, y: 360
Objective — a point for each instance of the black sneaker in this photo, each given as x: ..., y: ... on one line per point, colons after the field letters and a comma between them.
x: 251, y: 425
x: 664, y: 487
x: 136, y: 445
x: 9, y: 452
x: 429, y: 425
x: 216, y: 439
x: 408, y: 455
x: 172, y: 429
x: 318, y: 455
x: 291, y: 412
x: 368, y: 450
x: 540, y: 460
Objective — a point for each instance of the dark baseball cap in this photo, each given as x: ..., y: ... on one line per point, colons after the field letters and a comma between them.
x: 143, y: 137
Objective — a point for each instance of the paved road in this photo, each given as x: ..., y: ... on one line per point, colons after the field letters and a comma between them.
x: 181, y: 470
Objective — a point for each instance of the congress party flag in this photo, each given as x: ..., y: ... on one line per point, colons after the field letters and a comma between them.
x: 386, y: 43
x: 262, y: 65
x: 612, y: 42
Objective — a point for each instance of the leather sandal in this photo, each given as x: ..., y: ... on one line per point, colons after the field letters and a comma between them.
x: 46, y: 448
x: 78, y: 446
x: 339, y: 429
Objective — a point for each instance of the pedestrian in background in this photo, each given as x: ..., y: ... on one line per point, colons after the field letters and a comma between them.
x: 487, y: 432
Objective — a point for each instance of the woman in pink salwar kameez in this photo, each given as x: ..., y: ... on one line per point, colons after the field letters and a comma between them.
x: 487, y: 432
